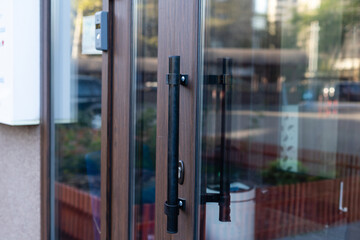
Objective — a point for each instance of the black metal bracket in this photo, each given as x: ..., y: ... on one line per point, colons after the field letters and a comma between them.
x: 209, y: 197
x: 225, y: 79
x: 176, y: 79
x: 222, y: 200
x: 173, y: 210
x: 214, y: 197
x: 182, y: 204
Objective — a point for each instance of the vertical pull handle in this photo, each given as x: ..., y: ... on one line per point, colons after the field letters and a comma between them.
x: 223, y: 84
x: 173, y: 203
x: 224, y: 200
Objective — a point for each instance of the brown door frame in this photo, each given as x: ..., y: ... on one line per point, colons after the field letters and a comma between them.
x: 178, y: 35
x: 179, y: 27
x: 45, y: 117
x: 117, y: 122
x: 106, y: 128
x: 114, y: 131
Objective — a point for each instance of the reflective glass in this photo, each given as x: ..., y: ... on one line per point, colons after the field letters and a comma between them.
x: 280, y: 121
x: 76, y: 120
x: 144, y: 80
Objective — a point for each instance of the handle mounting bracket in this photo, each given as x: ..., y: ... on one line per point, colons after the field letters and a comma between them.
x: 176, y: 79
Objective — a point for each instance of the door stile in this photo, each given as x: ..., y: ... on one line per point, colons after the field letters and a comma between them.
x: 178, y: 35
x: 106, y: 127
x: 45, y: 119
x: 121, y: 118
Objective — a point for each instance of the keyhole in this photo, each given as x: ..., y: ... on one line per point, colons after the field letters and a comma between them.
x: 181, y: 170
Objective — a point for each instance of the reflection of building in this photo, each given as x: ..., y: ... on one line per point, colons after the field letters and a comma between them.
x: 313, y: 48
x: 260, y: 69
x: 281, y: 10
x: 305, y: 5
x: 349, y: 62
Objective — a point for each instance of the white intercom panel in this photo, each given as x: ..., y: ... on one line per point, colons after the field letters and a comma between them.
x: 19, y: 62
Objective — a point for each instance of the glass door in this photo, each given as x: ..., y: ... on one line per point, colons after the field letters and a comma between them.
x: 279, y: 119
x: 76, y: 111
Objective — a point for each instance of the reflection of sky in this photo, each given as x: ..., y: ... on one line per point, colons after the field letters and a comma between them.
x: 259, y: 23
x: 260, y: 6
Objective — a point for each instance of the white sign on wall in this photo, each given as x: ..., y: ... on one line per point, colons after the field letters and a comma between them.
x: 19, y: 62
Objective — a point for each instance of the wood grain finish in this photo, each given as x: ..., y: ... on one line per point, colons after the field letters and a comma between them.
x: 178, y: 35
x: 116, y: 106
x: 45, y: 117
x: 121, y: 106
x: 178, y: 31
x: 106, y: 128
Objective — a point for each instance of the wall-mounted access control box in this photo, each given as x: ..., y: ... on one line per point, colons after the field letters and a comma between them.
x: 19, y: 62
x: 101, y: 31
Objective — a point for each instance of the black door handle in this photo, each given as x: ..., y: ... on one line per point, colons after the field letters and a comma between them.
x: 225, y: 82
x: 224, y: 201
x: 173, y: 203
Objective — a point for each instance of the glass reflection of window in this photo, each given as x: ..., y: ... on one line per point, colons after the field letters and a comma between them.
x: 76, y: 83
x: 294, y: 115
x: 145, y: 47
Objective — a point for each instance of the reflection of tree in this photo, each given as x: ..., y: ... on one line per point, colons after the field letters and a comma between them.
x: 78, y: 144
x: 229, y: 23
x: 146, y: 139
x: 276, y: 174
x: 146, y: 47
x: 337, y: 20
x: 88, y: 7
x: 147, y: 32
x: 74, y: 142
x: 235, y: 24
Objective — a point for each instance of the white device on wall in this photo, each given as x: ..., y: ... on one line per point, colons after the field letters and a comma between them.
x: 19, y: 62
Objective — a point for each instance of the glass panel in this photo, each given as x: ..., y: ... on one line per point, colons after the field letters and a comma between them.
x: 144, y: 79
x: 76, y: 117
x: 280, y: 120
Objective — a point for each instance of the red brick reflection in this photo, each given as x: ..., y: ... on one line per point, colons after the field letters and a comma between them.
x: 305, y: 207
x: 283, y: 210
x: 78, y: 214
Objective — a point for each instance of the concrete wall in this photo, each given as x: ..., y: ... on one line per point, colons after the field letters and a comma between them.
x: 19, y: 182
